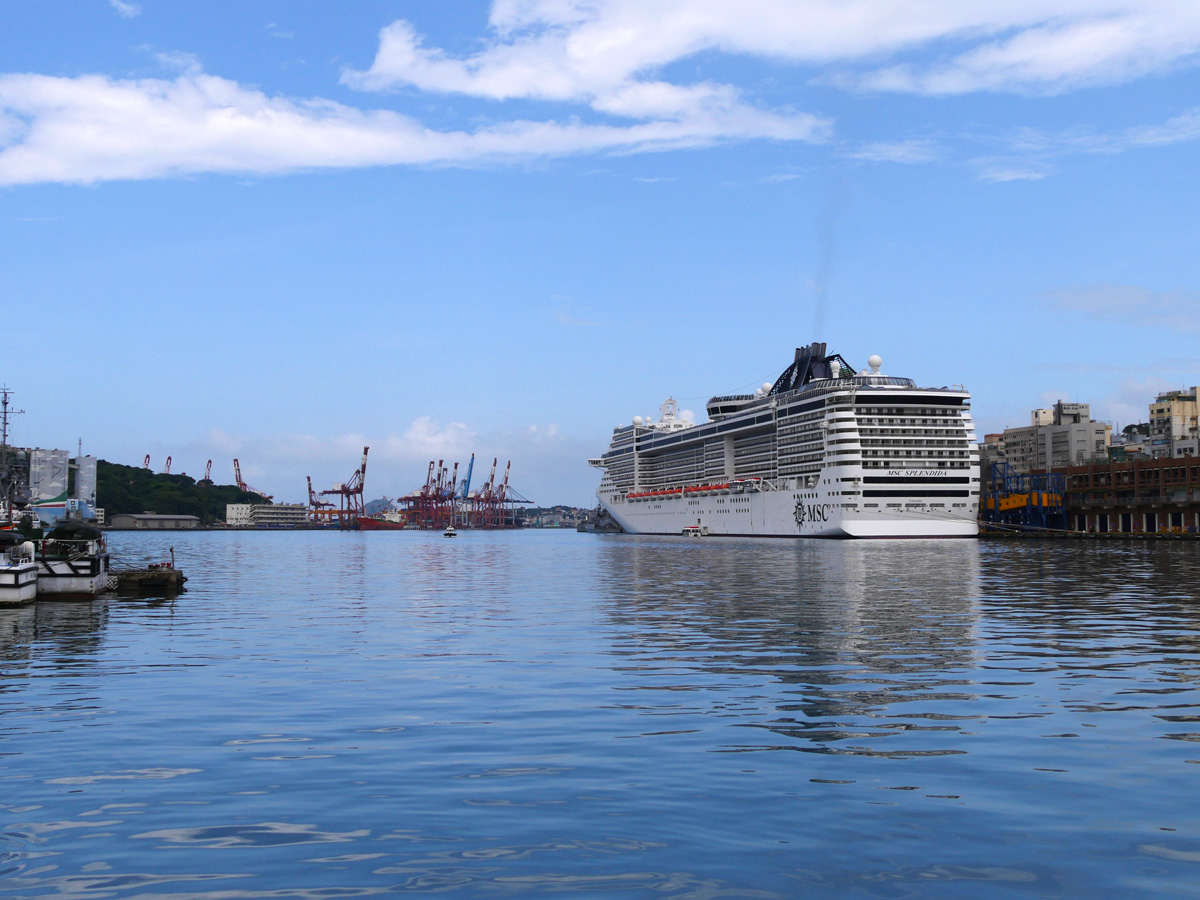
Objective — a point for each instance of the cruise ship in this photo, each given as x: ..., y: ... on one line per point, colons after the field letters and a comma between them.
x: 822, y: 452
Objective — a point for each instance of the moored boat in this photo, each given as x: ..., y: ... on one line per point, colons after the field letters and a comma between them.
x: 387, y: 521
x: 72, y: 563
x: 821, y: 452
x: 18, y: 570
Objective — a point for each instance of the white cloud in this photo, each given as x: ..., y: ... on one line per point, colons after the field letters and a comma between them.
x: 126, y: 9
x: 911, y: 152
x: 92, y: 128
x: 180, y: 62
x: 425, y: 438
x: 1129, y: 401
x: 608, y: 63
x: 1002, y: 169
x: 1132, y: 305
x: 601, y: 50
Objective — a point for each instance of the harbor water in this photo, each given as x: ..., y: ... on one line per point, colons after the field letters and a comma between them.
x: 551, y: 714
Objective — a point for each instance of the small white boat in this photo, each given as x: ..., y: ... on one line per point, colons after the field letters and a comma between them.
x: 695, y: 531
x: 18, y: 570
x: 449, y: 532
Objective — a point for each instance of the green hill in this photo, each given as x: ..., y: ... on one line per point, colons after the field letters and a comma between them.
x: 131, y: 489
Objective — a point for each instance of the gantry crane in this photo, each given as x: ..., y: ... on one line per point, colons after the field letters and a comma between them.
x: 242, y: 486
x: 350, y: 496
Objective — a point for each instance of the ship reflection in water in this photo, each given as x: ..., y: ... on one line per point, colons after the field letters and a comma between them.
x: 552, y: 714
x: 846, y: 630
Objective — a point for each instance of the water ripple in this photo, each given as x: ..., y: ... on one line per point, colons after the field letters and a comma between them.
x: 554, y: 714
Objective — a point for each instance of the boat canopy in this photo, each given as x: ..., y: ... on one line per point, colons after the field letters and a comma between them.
x: 74, y: 531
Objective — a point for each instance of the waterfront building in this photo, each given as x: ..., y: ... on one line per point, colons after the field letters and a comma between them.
x: 1063, y: 436
x: 1173, y: 414
x: 278, y: 515
x: 153, y: 522
x: 266, y: 515
x: 237, y: 515
x: 1141, y: 496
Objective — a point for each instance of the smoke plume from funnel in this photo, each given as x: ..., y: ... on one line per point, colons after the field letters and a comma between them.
x: 827, y: 221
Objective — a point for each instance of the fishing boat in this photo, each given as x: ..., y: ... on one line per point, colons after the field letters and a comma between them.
x: 72, y: 562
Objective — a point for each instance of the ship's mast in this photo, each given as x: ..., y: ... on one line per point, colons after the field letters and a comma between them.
x: 6, y: 474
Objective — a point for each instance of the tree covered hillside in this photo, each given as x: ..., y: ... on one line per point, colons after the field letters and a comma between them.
x: 131, y: 489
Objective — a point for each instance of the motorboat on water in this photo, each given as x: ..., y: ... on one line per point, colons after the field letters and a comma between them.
x: 18, y: 569
x: 449, y: 532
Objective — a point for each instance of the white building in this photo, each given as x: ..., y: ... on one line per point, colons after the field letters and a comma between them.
x: 237, y: 515
x: 266, y: 515
x: 1174, y: 423
x: 1055, y: 438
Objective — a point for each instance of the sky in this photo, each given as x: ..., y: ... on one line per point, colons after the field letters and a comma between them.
x: 284, y: 230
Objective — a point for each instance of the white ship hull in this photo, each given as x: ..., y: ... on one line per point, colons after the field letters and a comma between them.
x: 815, y: 513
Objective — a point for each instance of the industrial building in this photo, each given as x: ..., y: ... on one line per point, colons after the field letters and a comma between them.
x: 56, y: 485
x: 1063, y: 471
x: 266, y: 515
x: 153, y: 522
x: 1143, y: 496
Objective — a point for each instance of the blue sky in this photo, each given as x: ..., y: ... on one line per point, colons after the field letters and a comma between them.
x: 283, y: 230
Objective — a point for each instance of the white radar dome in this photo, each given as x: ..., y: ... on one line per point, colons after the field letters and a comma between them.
x: 875, y: 362
x: 637, y: 420
x: 766, y: 387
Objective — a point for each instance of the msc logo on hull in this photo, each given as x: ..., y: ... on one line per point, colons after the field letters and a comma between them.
x: 810, y: 513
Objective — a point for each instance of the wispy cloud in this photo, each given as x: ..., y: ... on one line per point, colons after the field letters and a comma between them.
x: 599, y: 51
x: 125, y: 8
x: 911, y: 152
x: 566, y: 316
x: 91, y: 128
x: 605, y: 65
x: 1134, y: 306
x: 1031, y: 154
x: 1002, y: 169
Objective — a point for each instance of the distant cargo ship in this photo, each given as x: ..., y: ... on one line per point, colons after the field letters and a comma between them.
x: 822, y: 452
x: 387, y: 521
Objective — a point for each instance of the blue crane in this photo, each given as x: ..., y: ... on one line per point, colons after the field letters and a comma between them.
x: 466, y: 484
